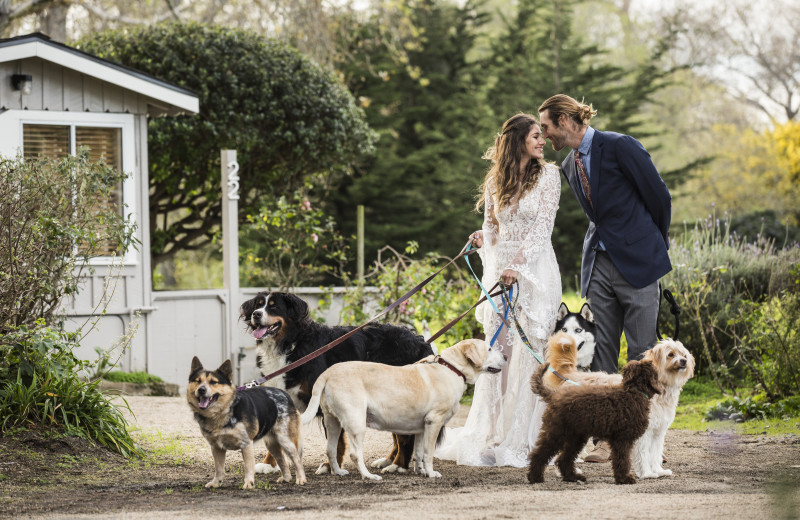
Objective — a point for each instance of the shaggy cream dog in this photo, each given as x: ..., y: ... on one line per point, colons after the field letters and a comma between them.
x: 674, y: 364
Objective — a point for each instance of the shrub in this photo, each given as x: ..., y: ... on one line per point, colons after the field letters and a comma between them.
x: 41, y: 387
x: 291, y: 244
x: 767, y: 342
x: 716, y: 277
x: 50, y: 223
x: 753, y: 407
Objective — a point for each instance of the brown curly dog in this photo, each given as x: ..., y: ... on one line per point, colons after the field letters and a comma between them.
x: 617, y: 414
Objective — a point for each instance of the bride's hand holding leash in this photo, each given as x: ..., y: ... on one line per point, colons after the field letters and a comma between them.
x: 508, y: 277
x: 477, y: 239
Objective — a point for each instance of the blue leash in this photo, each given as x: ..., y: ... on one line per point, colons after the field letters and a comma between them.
x: 508, y: 306
x: 527, y: 343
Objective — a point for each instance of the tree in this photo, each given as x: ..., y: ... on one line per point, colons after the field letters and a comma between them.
x: 752, y: 173
x: 749, y: 45
x: 425, y: 103
x: 291, y: 122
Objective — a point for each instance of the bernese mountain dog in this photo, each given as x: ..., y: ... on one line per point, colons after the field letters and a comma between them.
x: 285, y: 332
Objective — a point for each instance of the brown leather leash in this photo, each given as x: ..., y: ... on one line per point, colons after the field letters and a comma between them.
x: 305, y: 359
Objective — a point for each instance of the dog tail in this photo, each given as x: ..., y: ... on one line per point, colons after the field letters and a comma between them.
x: 313, y: 404
x: 537, y: 383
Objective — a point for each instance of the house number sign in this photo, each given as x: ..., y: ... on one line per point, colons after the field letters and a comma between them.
x: 233, y: 180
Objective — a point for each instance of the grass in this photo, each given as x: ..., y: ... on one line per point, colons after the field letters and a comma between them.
x: 141, y: 378
x: 699, y: 395
x: 161, y: 449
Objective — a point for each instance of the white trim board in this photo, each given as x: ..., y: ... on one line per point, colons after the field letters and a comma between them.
x: 94, y: 68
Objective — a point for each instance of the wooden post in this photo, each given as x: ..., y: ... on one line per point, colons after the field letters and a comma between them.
x: 230, y: 246
x: 360, y: 237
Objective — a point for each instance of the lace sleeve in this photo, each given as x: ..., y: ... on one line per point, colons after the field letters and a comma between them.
x: 542, y: 229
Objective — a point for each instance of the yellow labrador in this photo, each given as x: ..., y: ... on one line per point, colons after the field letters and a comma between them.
x: 415, y: 399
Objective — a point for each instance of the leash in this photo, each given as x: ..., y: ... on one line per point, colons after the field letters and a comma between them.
x: 305, y: 359
x: 508, y: 306
x: 674, y: 309
x: 453, y: 322
x: 527, y: 343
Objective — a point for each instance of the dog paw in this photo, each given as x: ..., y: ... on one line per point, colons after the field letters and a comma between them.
x: 266, y: 468
x: 391, y: 468
x: 629, y: 479
x: 434, y: 474
x: 300, y: 481
x: 322, y: 469
x: 213, y: 484
x: 370, y: 476
x: 536, y: 479
x: 248, y: 484
x: 381, y: 463
x: 648, y: 474
x: 342, y: 472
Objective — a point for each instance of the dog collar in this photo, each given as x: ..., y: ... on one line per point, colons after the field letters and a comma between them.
x: 441, y: 361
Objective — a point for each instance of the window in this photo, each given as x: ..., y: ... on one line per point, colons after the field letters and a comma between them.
x: 57, y: 134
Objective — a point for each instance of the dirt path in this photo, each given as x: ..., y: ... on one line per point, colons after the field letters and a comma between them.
x: 717, y: 475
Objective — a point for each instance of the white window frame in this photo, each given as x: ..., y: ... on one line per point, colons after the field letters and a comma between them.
x: 12, y: 121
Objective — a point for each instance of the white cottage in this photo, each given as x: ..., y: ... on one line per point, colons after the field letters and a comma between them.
x: 54, y: 99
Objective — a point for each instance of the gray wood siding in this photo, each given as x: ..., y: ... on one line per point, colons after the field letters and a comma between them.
x: 57, y: 88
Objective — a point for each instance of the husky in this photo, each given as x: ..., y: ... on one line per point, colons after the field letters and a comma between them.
x: 580, y: 325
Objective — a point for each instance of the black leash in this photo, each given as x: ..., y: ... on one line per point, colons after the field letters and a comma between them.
x: 674, y: 309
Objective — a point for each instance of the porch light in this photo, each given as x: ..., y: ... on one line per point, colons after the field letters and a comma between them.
x: 23, y: 82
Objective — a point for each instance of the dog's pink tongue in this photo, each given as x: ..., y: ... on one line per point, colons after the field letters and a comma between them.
x: 259, y: 333
x: 203, y: 402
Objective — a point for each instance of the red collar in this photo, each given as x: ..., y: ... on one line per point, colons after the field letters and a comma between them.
x: 441, y: 361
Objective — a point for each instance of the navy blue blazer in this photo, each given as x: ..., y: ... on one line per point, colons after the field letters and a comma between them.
x: 632, y: 209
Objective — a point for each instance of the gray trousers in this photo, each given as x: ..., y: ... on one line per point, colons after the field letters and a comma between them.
x: 618, y: 306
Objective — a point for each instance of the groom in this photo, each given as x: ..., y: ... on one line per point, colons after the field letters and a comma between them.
x: 629, y: 210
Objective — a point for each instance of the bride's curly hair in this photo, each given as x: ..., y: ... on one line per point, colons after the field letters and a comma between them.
x: 505, y: 177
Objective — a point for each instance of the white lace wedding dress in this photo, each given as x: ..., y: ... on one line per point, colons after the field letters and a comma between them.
x: 506, y: 415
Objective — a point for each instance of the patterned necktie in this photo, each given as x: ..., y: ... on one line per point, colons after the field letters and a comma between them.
x: 584, y: 178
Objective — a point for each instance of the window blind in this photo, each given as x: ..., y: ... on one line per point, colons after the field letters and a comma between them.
x: 104, y: 144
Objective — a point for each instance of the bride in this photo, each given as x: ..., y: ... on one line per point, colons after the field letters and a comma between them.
x: 520, y: 197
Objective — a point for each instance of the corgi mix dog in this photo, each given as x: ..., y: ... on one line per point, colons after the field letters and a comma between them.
x: 234, y: 420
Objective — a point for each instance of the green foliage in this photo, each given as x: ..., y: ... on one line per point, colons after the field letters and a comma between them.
x: 753, y: 408
x: 443, y: 299
x: 426, y: 106
x: 291, y: 244
x: 290, y: 120
x: 41, y: 387
x: 142, y: 378
x: 739, y: 309
x: 51, y: 222
x: 767, y: 341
